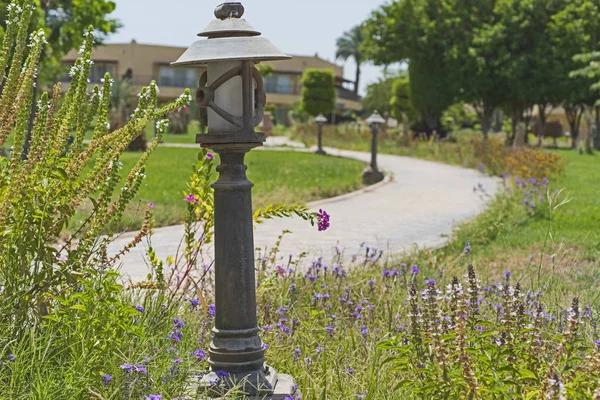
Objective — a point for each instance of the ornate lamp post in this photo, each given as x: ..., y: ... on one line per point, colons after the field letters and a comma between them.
x: 372, y: 174
x: 320, y: 120
x: 231, y: 99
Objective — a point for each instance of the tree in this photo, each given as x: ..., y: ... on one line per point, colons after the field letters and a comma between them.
x: 401, y: 103
x: 415, y: 31
x: 349, y: 46
x: 379, y: 93
x: 63, y: 21
x: 318, y: 91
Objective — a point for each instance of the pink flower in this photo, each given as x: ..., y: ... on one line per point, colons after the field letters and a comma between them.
x: 322, y: 220
x: 151, y: 205
x: 210, y: 156
x: 61, y: 257
x: 191, y: 199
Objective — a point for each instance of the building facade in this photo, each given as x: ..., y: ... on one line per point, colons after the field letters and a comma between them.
x: 143, y: 63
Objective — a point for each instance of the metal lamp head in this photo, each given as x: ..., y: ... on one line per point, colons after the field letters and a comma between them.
x: 375, y: 120
x: 231, y: 96
x: 320, y: 119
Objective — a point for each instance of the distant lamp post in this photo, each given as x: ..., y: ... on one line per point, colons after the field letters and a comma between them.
x: 231, y: 98
x: 320, y: 120
x: 372, y: 174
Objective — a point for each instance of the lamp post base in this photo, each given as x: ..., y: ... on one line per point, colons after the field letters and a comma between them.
x: 371, y: 176
x: 265, y: 384
x: 320, y: 151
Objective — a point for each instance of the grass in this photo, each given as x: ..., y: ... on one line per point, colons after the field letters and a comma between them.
x: 280, y: 177
x: 344, y: 330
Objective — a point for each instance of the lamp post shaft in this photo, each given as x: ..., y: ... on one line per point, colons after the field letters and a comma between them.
x: 236, y: 347
x: 320, y: 140
x: 374, y: 132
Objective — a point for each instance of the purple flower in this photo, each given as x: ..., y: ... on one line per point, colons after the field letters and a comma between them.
x: 192, y: 199
x: 479, y: 328
x: 319, y: 349
x: 598, y: 344
x: 154, y: 397
x: 386, y: 273
x: 128, y: 368
x: 526, y: 202
x: 210, y: 156
x: 364, y: 331
x: 323, y: 220
x: 265, y: 346
x: 414, y: 269
x: 370, y: 282
x: 222, y: 374
x: 430, y: 282
x: 308, y: 360
x: 177, y: 361
x: 151, y: 204
x: 106, y: 379
x: 330, y: 329
x: 350, y: 370
x: 212, y: 310
x: 467, y: 249
x: 280, y: 270
x: 140, y: 308
x: 176, y: 336
x: 177, y: 323
x: 507, y: 274
x: 194, y: 303
x: 12, y: 357
x: 200, y: 354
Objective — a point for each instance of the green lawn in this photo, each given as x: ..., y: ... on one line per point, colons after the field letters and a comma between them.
x: 279, y: 177
x: 562, y: 253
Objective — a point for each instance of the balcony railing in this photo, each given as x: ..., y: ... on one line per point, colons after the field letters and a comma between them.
x: 281, y: 89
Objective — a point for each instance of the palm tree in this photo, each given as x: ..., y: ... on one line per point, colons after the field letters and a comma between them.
x: 349, y: 46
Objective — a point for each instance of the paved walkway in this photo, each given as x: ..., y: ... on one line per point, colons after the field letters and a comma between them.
x: 418, y: 206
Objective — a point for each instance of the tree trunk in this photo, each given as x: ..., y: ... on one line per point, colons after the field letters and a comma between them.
x: 357, y: 78
x: 574, y: 114
x: 405, y: 125
x: 542, y: 117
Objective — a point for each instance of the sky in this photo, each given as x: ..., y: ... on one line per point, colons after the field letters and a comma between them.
x: 302, y: 27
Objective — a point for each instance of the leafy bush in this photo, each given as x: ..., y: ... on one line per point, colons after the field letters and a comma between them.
x: 493, y: 156
x: 39, y: 195
x: 318, y: 91
x: 468, y: 341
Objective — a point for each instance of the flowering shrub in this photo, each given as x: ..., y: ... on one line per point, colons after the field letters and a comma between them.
x: 469, y: 341
x: 41, y: 188
x: 493, y: 156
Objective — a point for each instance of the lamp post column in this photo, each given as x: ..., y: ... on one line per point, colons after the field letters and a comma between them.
x: 375, y: 133
x: 320, y: 140
x: 372, y: 174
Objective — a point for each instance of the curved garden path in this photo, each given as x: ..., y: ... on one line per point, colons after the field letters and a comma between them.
x: 417, y: 206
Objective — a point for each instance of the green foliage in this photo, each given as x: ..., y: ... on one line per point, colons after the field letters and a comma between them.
x: 318, y: 91
x: 492, y: 341
x: 513, y: 54
x: 379, y: 95
x: 458, y: 116
x: 401, y: 100
x: 62, y: 22
x: 39, y: 196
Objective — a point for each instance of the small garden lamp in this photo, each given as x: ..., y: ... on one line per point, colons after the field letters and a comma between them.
x: 231, y: 98
x: 372, y: 174
x: 320, y: 120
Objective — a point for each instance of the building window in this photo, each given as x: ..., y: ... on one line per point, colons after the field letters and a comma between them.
x: 279, y: 84
x: 96, y: 72
x: 177, y: 77
x: 99, y: 69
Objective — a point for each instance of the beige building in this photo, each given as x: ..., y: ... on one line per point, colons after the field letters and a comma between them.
x: 143, y: 63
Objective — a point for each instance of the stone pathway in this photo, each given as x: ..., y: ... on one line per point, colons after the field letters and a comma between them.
x: 418, y: 205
